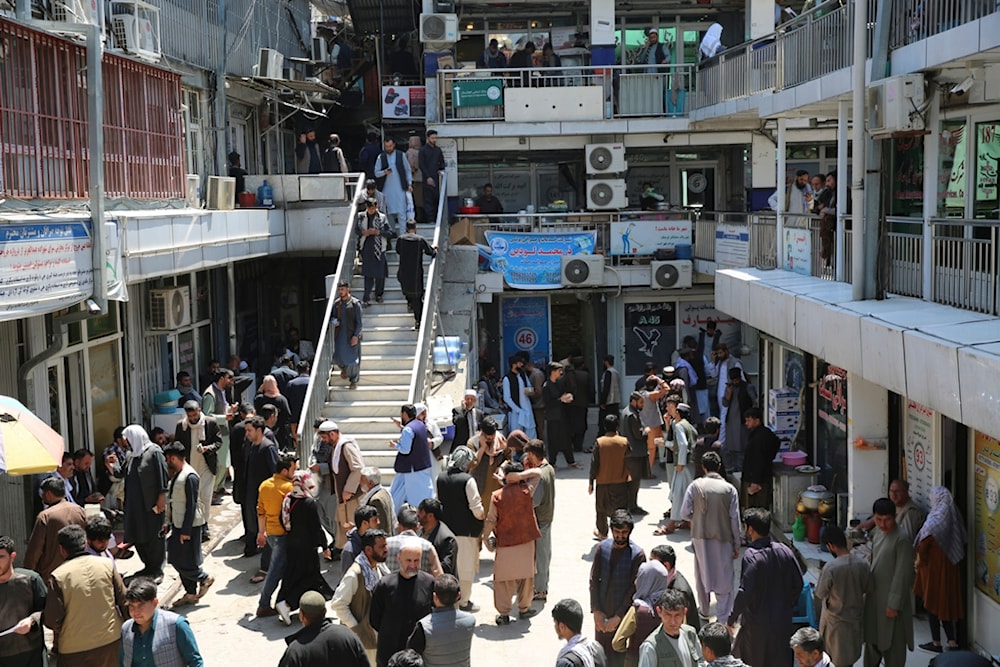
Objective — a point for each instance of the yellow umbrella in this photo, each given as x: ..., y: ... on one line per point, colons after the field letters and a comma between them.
x: 27, y: 444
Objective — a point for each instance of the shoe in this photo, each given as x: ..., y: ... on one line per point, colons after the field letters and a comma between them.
x: 503, y: 619
x: 366, y: 303
x: 343, y: 373
x: 468, y: 607
x: 588, y: 450
x: 265, y: 612
x: 931, y: 647
x: 251, y: 553
x: 576, y: 466
x: 259, y: 577
x: 184, y: 600
x: 205, y: 537
x: 158, y: 579
x: 353, y: 385
x: 540, y: 595
x: 284, y: 612
x: 528, y: 613
x: 204, y: 585
x: 379, y: 299
x: 216, y: 500
x: 638, y: 510
x: 416, y: 327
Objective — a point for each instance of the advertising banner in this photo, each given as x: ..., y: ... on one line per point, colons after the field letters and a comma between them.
x: 694, y: 316
x: 798, y: 251
x: 526, y: 327
x: 732, y: 245
x: 532, y: 260
x: 401, y: 102
x: 44, y: 267
x: 645, y: 237
x: 920, y: 452
x: 987, y: 478
x: 476, y: 92
x: 650, y: 335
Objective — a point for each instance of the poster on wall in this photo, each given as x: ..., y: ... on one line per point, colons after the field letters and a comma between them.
x: 798, y: 251
x: 694, y: 316
x: 732, y: 245
x: 650, y: 335
x: 402, y: 102
x: 919, y: 452
x: 645, y: 237
x: 525, y: 328
x: 831, y: 426
x: 534, y: 261
x: 987, y: 525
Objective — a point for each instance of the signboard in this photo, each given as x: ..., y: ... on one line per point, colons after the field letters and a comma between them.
x: 831, y: 426
x: 533, y: 261
x: 645, y: 237
x: 449, y: 149
x: 919, y: 452
x: 732, y: 245
x: 402, y: 102
x: 526, y: 327
x: 476, y: 92
x: 798, y: 251
x: 695, y: 315
x: 987, y: 525
x: 650, y: 335
x: 44, y: 267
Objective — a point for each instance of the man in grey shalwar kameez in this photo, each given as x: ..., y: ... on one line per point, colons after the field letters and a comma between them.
x: 712, y: 506
x: 347, y: 323
x: 145, y: 501
x: 374, y: 231
x: 684, y: 438
x: 842, y: 586
x: 392, y: 166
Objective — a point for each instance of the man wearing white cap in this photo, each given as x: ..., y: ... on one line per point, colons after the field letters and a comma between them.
x: 319, y: 464
x: 346, y: 463
x: 466, y: 418
x: 434, y: 437
x: 458, y: 492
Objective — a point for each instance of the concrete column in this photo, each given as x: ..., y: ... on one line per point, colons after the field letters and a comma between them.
x: 763, y: 158
x: 932, y: 148
x: 760, y: 18
x: 867, y: 470
x: 602, y: 22
x: 843, y: 113
x: 782, y: 186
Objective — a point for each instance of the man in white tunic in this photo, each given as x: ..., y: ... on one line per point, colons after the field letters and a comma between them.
x: 392, y: 166
x: 711, y: 504
x: 515, y: 384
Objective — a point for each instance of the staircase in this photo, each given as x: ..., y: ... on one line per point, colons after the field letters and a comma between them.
x: 388, y: 350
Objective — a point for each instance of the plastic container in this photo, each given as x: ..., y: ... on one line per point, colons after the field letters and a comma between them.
x: 799, y: 529
x: 265, y: 195
x: 166, y: 401
x: 683, y: 251
x: 246, y: 199
x: 793, y: 458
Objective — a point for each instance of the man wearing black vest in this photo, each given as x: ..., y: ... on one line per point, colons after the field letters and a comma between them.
x: 430, y: 514
x: 346, y: 463
x: 414, y: 479
x: 466, y: 419
x: 463, y: 512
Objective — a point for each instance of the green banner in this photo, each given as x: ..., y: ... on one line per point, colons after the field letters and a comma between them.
x: 477, y: 93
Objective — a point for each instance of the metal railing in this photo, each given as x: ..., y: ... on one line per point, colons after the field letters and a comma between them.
x: 915, y: 20
x: 319, y: 380
x: 423, y: 365
x: 600, y: 223
x: 738, y: 72
x: 626, y: 90
x: 964, y: 262
x: 905, y: 257
x: 763, y: 251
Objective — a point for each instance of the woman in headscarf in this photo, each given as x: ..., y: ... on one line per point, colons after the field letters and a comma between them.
x: 641, y: 620
x: 146, y: 481
x: 711, y: 43
x: 938, y: 549
x: 300, y: 517
x: 269, y: 394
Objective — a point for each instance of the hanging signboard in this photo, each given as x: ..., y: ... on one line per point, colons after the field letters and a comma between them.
x: 645, y: 237
x: 987, y: 525
x: 798, y: 251
x: 919, y: 452
x: 732, y: 245
x: 534, y: 261
x: 650, y: 335
x: 476, y: 92
x: 402, y: 102
x: 526, y: 327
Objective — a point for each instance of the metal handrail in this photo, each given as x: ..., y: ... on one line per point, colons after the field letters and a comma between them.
x: 422, y: 360
x: 319, y: 379
x: 965, y: 263
x: 916, y: 20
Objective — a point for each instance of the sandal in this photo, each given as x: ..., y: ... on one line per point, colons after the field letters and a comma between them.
x: 259, y: 577
x: 668, y: 529
x: 503, y: 619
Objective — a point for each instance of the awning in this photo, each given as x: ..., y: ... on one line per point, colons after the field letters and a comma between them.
x: 311, y: 96
x: 384, y: 17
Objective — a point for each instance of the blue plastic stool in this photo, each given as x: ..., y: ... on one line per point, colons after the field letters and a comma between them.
x: 804, y: 610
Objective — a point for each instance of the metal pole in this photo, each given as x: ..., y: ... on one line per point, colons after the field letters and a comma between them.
x: 231, y: 307
x: 932, y: 145
x: 858, y: 146
x: 95, y: 143
x: 779, y: 228
x: 840, y: 248
x: 220, y: 95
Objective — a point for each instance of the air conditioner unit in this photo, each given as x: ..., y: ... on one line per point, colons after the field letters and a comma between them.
x: 606, y: 194
x: 439, y: 28
x: 221, y: 195
x: 136, y: 35
x: 605, y: 159
x: 75, y: 11
x: 582, y: 270
x: 897, y: 104
x: 320, y: 53
x: 269, y: 64
x: 169, y: 308
x: 193, y: 198
x: 670, y: 275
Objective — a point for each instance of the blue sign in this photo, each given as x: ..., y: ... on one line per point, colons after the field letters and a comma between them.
x: 533, y: 261
x: 526, y: 327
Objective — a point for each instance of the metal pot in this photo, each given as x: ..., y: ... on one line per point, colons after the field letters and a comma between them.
x: 828, y: 506
x: 811, y: 499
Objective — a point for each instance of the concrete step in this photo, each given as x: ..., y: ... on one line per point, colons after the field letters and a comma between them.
x: 368, y: 390
x: 394, y: 333
x: 385, y: 362
x: 367, y: 426
x: 391, y: 347
x: 368, y: 407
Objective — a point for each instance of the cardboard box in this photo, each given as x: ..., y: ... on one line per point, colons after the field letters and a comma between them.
x: 463, y: 232
x: 778, y: 423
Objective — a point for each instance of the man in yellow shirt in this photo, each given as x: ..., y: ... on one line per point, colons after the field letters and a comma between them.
x: 271, y: 532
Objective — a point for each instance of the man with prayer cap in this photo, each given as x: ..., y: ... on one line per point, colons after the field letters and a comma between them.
x: 464, y: 513
x: 466, y: 418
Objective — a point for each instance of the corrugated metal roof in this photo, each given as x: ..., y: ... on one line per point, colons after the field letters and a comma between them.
x: 372, y: 17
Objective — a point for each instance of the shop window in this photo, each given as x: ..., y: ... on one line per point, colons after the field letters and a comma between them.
x: 104, y: 325
x: 987, y: 167
x: 952, y: 177
x: 831, y: 426
x: 105, y: 390
x: 194, y: 140
x: 907, y: 187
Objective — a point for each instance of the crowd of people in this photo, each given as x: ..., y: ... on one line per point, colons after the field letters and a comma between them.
x: 409, y: 553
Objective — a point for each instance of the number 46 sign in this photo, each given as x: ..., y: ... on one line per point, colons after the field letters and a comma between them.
x: 525, y: 327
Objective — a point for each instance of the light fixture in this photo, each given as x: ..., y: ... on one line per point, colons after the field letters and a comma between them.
x: 534, y: 24
x: 469, y: 26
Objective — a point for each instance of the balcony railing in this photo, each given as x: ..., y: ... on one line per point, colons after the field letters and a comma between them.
x: 619, y: 91
x: 915, y: 20
x: 964, y: 260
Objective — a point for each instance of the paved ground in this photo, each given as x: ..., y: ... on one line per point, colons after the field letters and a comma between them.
x: 227, y: 631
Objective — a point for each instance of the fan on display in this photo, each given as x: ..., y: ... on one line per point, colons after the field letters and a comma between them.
x: 577, y: 271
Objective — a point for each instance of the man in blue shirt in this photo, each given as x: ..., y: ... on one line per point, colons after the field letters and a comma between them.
x: 155, y: 636
x: 414, y: 479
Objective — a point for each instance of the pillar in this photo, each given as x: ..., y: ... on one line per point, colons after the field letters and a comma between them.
x: 867, y: 469
x: 760, y: 18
